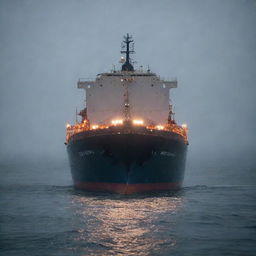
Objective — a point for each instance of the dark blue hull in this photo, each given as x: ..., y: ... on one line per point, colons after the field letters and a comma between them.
x: 127, y: 162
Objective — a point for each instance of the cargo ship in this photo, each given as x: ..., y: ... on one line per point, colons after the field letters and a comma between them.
x: 127, y: 140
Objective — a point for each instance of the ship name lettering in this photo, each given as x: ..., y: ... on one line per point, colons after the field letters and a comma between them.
x: 165, y: 153
x: 85, y: 153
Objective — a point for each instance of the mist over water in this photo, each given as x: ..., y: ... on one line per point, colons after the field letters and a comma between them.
x: 209, y: 46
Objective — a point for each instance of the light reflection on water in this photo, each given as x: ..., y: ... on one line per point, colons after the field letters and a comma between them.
x: 127, y: 226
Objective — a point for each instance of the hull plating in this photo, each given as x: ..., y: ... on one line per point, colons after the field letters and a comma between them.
x: 127, y: 163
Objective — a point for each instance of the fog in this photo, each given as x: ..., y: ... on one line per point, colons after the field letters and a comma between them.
x: 209, y: 46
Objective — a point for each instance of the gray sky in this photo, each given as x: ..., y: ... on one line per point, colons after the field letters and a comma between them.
x: 209, y: 45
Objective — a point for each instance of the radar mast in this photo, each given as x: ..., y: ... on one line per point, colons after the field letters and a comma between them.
x: 127, y: 66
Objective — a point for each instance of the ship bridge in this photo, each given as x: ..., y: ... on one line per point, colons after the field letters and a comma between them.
x: 146, y: 96
x: 128, y: 93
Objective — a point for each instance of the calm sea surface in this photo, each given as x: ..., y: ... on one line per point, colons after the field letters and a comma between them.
x: 41, y: 214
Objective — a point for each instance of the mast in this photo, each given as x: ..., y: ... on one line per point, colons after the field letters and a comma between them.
x: 127, y: 66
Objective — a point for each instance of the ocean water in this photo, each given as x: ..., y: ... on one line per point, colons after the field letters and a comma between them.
x: 41, y: 214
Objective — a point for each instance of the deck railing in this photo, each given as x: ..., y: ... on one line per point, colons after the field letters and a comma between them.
x: 85, y: 126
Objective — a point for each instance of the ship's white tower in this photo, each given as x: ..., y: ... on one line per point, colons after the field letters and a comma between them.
x: 127, y: 94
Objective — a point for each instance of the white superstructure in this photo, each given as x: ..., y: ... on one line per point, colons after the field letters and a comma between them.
x: 127, y: 94
x: 127, y: 98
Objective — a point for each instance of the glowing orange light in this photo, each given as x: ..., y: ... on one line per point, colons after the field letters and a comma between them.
x: 68, y: 125
x: 159, y: 127
x: 184, y: 126
x: 138, y: 122
x: 117, y: 122
x: 95, y: 126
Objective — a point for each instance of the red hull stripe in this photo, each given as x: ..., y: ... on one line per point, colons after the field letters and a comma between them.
x: 126, y: 189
